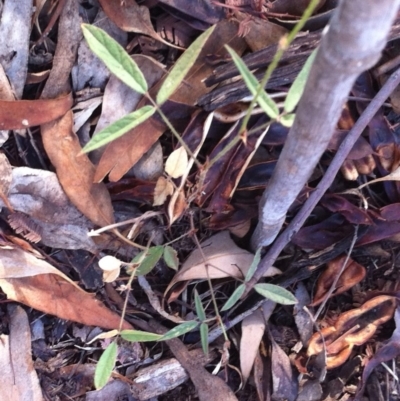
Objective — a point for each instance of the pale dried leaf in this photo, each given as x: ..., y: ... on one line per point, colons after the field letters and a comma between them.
x: 15, y: 25
x: 38, y: 194
x: 177, y: 163
x: 5, y: 174
x: 162, y: 190
x: 253, y: 327
x: 19, y: 380
x: 223, y: 258
x: 177, y: 205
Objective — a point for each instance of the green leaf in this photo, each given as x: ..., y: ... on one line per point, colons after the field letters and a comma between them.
x: 265, y: 102
x: 253, y: 266
x: 204, y: 337
x: 182, y: 67
x: 139, y: 336
x: 201, y: 314
x: 171, y: 257
x: 234, y: 297
x: 119, y: 128
x: 105, y: 366
x: 297, y: 88
x: 153, y: 255
x: 276, y: 294
x: 287, y: 120
x: 114, y: 57
x: 179, y: 330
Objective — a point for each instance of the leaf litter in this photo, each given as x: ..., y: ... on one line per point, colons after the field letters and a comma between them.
x: 53, y: 194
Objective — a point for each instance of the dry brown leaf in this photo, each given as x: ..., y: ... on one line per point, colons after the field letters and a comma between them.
x: 126, y: 151
x: 352, y: 275
x: 260, y: 33
x: 76, y: 172
x: 177, y: 163
x: 120, y: 100
x: 123, y: 153
x: 284, y: 382
x: 225, y: 33
x: 163, y: 189
x: 253, y: 327
x: 20, y: 114
x: 35, y: 283
x: 223, y: 259
x: 131, y: 17
x: 177, y: 205
x: 19, y: 380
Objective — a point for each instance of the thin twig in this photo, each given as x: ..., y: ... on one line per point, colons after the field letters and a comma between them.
x: 326, y: 180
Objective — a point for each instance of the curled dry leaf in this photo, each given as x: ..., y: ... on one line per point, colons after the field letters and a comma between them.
x: 223, y: 258
x: 35, y: 283
x: 352, y: 275
x: 354, y: 327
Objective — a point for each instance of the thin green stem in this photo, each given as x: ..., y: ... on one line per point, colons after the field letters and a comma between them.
x: 283, y: 46
x: 173, y: 130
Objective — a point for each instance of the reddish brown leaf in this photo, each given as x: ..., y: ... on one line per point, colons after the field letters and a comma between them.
x: 390, y: 350
x: 352, y: 274
x: 51, y: 294
x: 130, y: 17
x: 127, y: 150
x: 354, y: 327
x: 75, y: 172
x: 20, y: 114
x: 36, y: 283
x: 132, y: 189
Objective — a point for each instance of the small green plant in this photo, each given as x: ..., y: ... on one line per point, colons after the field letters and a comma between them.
x: 122, y: 65
x: 269, y: 291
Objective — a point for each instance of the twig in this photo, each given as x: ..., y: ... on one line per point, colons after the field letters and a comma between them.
x: 326, y: 180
